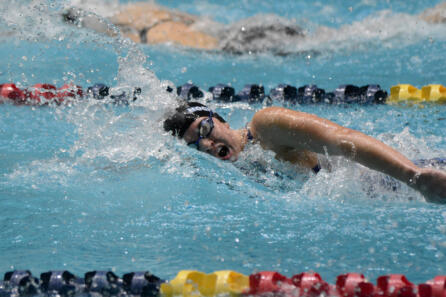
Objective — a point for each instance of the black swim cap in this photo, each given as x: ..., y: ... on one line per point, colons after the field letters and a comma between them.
x: 185, y: 115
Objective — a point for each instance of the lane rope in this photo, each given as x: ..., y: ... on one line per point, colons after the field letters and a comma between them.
x: 195, y: 283
x: 45, y: 94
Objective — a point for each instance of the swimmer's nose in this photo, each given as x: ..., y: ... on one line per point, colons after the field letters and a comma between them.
x: 206, y: 144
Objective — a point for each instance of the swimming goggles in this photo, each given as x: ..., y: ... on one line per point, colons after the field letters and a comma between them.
x: 204, y: 130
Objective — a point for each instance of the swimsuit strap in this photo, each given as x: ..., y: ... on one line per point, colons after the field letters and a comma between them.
x: 249, y: 135
x: 316, y: 168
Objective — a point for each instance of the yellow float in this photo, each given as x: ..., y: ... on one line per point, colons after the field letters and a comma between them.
x: 191, y: 283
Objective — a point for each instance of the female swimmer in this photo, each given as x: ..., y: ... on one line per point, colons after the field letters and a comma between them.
x: 297, y: 137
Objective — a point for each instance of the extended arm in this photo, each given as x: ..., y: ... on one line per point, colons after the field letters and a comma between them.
x: 279, y: 129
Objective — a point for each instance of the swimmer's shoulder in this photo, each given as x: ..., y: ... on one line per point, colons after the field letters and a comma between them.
x: 276, y: 116
x: 268, y: 115
x: 270, y: 123
x: 277, y: 112
x: 261, y: 120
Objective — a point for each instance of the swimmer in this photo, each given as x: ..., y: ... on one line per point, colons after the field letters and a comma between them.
x: 298, y: 137
x: 150, y: 23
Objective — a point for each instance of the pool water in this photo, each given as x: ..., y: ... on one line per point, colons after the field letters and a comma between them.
x: 95, y: 186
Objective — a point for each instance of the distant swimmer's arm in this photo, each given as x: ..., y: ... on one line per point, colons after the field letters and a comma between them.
x: 276, y: 128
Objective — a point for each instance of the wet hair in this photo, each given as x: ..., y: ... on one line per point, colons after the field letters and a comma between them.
x: 185, y: 115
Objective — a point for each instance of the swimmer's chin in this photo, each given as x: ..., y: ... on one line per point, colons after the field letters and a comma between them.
x: 234, y: 156
x: 231, y: 157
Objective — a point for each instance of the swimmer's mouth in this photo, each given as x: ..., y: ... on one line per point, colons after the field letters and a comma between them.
x: 223, y: 152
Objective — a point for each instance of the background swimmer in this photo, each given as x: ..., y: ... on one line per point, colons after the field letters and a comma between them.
x: 150, y: 23
x: 296, y: 137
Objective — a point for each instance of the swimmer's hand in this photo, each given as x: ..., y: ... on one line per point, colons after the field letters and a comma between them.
x: 432, y: 184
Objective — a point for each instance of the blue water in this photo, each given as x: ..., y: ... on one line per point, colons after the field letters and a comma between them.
x: 95, y: 186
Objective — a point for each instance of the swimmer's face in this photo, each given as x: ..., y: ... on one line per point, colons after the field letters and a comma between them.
x: 222, y: 143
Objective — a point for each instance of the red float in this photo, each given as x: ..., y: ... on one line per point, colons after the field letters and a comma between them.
x: 433, y: 288
x: 267, y: 281
x: 354, y: 284
x: 395, y: 285
x: 69, y: 91
x: 10, y: 91
x: 424, y: 290
x: 42, y: 93
x: 311, y: 284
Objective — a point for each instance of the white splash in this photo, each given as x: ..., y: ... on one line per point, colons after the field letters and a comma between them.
x: 383, y: 29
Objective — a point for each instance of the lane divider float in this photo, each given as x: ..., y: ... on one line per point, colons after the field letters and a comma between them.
x: 191, y: 283
x: 405, y: 92
x: 46, y: 94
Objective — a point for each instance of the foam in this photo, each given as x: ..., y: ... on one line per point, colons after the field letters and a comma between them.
x: 103, y: 8
x: 382, y: 29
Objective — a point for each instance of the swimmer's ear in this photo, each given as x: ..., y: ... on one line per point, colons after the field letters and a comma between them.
x: 226, y: 125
